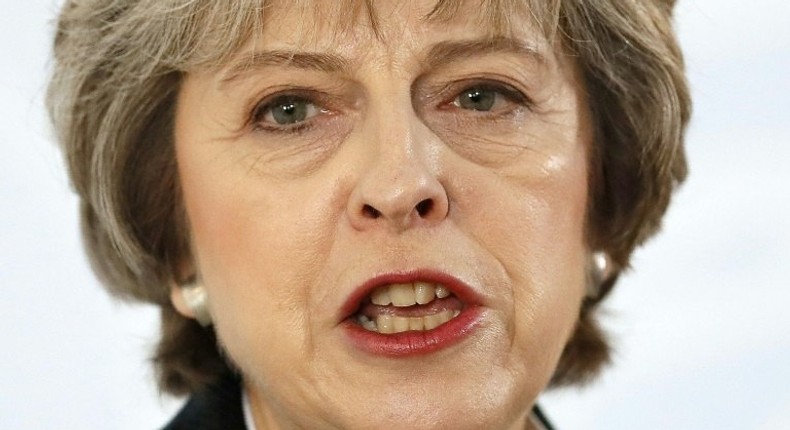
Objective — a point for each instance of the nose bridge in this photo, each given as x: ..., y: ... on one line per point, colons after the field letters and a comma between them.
x: 399, y: 185
x: 393, y: 135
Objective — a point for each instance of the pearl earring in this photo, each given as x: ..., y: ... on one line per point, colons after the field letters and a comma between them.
x: 196, y: 299
x: 600, y: 272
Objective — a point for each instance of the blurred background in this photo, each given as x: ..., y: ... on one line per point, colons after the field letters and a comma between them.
x: 701, y: 326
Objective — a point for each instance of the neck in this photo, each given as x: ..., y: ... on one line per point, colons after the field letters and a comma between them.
x: 259, y: 417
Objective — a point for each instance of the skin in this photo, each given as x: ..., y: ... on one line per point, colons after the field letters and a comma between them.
x: 282, y: 229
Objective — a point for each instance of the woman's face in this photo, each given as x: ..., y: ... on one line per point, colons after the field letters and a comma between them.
x: 327, y: 172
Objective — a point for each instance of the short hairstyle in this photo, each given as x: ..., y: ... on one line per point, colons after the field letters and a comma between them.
x: 118, y: 69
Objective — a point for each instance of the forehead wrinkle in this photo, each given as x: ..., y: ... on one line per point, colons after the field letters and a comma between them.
x: 454, y: 50
x: 324, y: 60
x: 316, y: 61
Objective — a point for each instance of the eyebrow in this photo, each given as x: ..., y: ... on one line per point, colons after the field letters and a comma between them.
x: 439, y: 54
x: 319, y: 62
x: 451, y: 51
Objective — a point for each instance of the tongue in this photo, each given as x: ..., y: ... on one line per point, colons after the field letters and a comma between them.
x: 437, y: 305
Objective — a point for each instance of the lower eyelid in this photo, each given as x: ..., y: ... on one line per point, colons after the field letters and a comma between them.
x: 325, y: 119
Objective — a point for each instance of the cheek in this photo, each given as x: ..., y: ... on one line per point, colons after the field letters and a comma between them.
x: 552, y: 264
x: 242, y: 227
x: 534, y: 225
x: 224, y: 218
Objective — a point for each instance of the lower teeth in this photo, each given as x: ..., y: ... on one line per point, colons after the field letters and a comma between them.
x: 388, y: 324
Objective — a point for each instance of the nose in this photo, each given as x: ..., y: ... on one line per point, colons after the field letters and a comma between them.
x: 400, y: 187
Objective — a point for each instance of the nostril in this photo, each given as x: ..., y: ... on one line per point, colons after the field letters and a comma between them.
x: 424, y: 207
x: 370, y: 212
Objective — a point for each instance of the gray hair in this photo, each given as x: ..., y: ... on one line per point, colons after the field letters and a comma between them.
x: 118, y: 69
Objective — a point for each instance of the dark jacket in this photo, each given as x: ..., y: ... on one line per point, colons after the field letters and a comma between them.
x: 219, y: 408
x: 216, y: 408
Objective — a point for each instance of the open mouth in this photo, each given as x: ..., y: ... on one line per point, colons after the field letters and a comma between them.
x: 417, y: 306
x: 403, y: 314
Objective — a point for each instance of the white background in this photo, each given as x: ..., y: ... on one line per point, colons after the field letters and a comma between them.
x: 701, y: 325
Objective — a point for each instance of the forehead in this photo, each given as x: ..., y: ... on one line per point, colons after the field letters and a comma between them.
x: 400, y: 30
x: 213, y: 32
x: 352, y: 22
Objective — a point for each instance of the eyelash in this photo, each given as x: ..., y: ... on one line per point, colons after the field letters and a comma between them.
x: 455, y: 90
x: 265, y: 106
x: 510, y: 94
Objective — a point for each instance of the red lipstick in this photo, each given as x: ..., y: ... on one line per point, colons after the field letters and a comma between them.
x: 413, y: 342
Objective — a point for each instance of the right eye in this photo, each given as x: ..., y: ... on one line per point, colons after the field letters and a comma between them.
x: 286, y: 110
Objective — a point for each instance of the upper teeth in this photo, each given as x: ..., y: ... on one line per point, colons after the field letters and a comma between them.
x: 403, y: 295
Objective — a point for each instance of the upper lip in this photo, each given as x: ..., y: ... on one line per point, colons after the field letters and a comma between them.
x: 459, y: 288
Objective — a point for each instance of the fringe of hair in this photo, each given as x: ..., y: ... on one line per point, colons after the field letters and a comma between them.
x: 118, y: 68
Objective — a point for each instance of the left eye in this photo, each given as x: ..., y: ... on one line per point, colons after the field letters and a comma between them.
x: 287, y: 110
x: 484, y: 98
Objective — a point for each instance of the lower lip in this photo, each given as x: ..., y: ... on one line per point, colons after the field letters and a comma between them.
x: 411, y: 343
